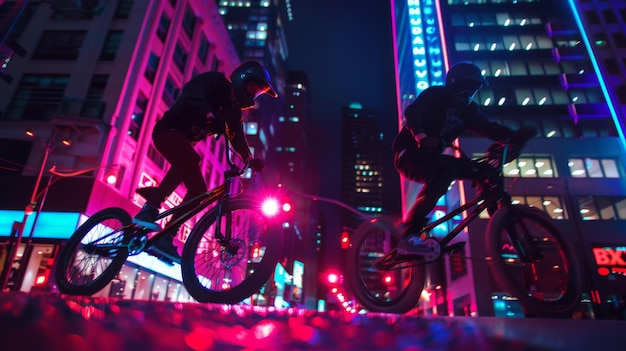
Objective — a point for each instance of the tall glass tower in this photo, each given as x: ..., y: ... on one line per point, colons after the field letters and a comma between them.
x: 553, y: 65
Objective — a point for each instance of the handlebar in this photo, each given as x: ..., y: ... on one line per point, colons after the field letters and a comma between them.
x: 234, y: 170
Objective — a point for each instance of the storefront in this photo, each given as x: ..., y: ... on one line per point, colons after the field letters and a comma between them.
x: 143, y: 277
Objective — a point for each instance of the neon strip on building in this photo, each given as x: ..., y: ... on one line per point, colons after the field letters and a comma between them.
x: 619, y: 126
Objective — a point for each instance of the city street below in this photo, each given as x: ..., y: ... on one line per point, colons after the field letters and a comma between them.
x: 52, y: 322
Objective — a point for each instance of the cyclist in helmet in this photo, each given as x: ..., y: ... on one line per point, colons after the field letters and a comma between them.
x: 210, y: 103
x: 423, y: 148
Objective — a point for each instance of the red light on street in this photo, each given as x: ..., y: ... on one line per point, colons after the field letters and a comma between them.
x: 332, y: 278
x: 286, y: 207
x: 256, y: 251
x: 111, y: 179
x: 345, y: 240
x: 270, y: 207
x: 388, y: 278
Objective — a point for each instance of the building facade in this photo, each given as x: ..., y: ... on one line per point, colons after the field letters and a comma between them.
x: 557, y: 66
x: 99, y: 80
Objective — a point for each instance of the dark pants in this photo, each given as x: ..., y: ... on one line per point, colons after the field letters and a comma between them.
x: 437, y: 172
x: 185, y: 167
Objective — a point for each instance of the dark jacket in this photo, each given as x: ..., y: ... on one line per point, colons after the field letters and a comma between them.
x: 205, y: 108
x: 435, y: 114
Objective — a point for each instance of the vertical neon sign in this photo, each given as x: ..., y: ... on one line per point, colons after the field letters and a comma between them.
x: 428, y: 62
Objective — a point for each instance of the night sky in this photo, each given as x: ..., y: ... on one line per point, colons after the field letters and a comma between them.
x: 346, y: 49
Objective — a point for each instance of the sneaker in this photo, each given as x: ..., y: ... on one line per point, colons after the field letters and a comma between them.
x: 146, y: 218
x: 166, y: 247
x: 412, y: 245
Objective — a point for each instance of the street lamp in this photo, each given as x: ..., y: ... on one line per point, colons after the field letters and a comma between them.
x: 30, y: 207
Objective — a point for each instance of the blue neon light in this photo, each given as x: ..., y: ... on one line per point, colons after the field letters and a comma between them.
x: 428, y: 62
x: 50, y: 225
x: 594, y: 62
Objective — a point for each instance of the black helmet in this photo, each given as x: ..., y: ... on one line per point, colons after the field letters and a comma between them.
x: 247, y: 71
x: 465, y: 80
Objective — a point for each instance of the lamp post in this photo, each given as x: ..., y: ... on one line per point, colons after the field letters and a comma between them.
x: 32, y: 205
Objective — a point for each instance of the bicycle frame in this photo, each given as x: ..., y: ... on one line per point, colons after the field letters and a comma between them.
x: 487, y: 200
x: 219, y: 194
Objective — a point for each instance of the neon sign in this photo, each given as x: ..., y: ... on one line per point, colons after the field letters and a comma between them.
x: 610, y: 260
x: 428, y: 62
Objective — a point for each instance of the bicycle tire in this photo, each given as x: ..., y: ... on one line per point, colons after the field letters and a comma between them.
x: 551, y: 283
x: 211, y: 274
x: 371, y: 240
x: 80, y: 267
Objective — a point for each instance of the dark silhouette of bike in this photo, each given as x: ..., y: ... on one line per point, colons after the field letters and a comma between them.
x: 229, y: 254
x: 528, y: 256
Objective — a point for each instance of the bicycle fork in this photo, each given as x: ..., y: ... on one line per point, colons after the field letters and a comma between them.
x: 518, y: 235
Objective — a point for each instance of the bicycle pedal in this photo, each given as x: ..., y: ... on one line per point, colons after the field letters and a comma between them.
x: 455, y: 248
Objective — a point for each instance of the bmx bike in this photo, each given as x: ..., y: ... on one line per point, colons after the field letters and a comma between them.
x: 229, y: 254
x: 539, y: 266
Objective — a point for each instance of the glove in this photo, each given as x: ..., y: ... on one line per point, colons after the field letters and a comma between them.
x: 256, y: 164
x: 430, y: 143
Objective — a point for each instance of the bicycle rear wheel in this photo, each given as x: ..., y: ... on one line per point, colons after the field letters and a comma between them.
x: 533, y: 261
x: 231, y: 271
x: 392, y: 291
x: 94, y: 254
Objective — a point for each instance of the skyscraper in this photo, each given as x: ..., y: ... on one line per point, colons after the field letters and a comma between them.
x: 550, y: 65
x: 256, y: 30
x: 361, y: 161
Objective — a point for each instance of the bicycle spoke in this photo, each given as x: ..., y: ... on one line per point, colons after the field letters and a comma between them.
x: 94, y: 253
x: 235, y: 266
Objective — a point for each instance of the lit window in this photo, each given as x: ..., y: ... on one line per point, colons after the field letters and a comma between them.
x: 551, y: 205
x: 593, y: 208
x: 593, y: 168
x: 252, y: 128
x: 530, y: 167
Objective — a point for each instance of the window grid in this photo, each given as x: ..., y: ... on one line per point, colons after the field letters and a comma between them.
x: 123, y: 9
x: 593, y: 168
x: 551, y: 205
x: 530, y: 167
x: 602, y: 208
x: 94, y: 104
x: 136, y: 119
x: 180, y: 57
x: 163, y: 28
x: 59, y: 45
x: 38, y: 97
x: 151, y: 67
x: 111, y: 45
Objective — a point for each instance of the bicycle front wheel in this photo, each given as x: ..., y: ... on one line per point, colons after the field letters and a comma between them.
x: 392, y: 291
x: 94, y: 254
x: 230, y: 270
x: 532, y: 261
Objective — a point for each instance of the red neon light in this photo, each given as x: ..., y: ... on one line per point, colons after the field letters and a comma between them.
x: 609, y: 257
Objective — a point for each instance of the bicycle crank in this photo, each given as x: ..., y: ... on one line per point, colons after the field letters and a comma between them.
x: 434, y: 253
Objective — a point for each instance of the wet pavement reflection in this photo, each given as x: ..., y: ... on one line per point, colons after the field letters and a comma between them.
x: 55, y: 323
